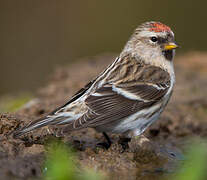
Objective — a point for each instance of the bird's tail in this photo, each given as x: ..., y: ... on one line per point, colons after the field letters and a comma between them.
x: 33, y: 125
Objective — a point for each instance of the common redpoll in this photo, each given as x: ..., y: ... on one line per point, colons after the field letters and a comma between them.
x: 129, y: 95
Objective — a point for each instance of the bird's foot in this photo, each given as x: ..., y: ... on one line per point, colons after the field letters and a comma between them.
x: 104, y: 145
x: 123, y: 141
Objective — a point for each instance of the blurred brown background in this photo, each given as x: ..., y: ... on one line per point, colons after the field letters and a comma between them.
x: 38, y: 35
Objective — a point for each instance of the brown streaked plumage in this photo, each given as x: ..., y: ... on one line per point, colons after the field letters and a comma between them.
x: 128, y: 95
x: 134, y: 77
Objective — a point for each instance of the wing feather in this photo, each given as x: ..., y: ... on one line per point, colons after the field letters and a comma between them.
x: 111, y: 106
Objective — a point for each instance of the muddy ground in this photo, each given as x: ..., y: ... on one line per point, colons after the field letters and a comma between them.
x: 153, y: 155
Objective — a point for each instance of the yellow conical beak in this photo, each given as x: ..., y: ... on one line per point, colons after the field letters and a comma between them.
x: 170, y: 46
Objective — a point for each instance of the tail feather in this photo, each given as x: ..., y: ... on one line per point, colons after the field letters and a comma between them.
x: 33, y: 125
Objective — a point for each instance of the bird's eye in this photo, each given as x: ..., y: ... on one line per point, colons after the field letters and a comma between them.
x: 154, y: 39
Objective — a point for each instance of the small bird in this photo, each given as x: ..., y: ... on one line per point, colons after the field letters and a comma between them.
x: 129, y: 95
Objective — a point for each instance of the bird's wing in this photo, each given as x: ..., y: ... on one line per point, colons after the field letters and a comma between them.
x: 113, y: 102
x: 74, y: 97
x: 81, y: 92
x: 58, y: 115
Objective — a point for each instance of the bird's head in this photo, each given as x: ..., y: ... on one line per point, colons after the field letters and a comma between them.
x: 152, y: 40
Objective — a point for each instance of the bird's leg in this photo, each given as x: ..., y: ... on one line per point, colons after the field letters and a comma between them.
x: 125, y: 139
x: 105, y: 144
x: 107, y: 139
x: 124, y: 142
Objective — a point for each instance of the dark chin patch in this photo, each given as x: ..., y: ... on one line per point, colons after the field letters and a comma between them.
x: 168, y: 54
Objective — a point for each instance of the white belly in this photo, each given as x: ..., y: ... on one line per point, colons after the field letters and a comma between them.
x: 138, y: 121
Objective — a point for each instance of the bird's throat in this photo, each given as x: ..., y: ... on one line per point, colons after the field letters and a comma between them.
x: 169, y: 54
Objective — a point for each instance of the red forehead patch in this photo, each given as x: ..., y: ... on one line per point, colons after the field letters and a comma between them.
x: 159, y: 27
